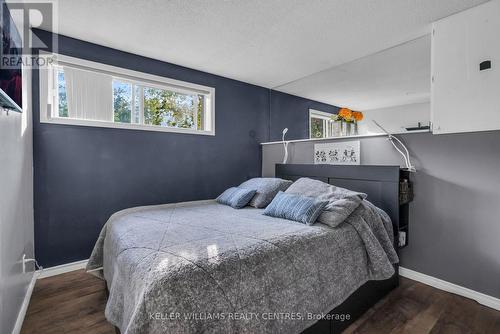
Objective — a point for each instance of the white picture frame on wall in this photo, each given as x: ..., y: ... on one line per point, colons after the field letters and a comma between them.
x: 338, y: 153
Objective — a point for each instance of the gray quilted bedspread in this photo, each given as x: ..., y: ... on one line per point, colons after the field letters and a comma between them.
x: 202, y: 267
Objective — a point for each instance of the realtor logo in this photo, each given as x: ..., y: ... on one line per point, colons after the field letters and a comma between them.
x: 20, y: 46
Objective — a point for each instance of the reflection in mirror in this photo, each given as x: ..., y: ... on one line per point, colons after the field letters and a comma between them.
x: 320, y: 124
x: 391, y: 87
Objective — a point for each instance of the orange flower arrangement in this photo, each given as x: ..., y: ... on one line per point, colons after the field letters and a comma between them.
x: 357, y: 115
x: 345, y: 114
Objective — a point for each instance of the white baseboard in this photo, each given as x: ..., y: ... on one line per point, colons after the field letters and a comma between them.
x: 52, y: 271
x: 437, y: 283
x: 25, y: 304
x: 63, y: 268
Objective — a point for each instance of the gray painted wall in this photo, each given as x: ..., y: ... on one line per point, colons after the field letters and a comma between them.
x: 16, y: 209
x: 455, y: 217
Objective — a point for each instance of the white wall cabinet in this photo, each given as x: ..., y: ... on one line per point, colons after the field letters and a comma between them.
x: 463, y: 97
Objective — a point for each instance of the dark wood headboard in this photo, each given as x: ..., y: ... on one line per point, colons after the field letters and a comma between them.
x: 380, y: 183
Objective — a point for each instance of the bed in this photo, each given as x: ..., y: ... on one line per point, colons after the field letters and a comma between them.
x: 204, y: 267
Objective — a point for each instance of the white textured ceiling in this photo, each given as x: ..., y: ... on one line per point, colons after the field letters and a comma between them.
x: 265, y: 42
x: 396, y: 76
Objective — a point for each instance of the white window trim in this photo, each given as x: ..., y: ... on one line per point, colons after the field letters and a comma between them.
x: 321, y: 115
x: 48, y: 97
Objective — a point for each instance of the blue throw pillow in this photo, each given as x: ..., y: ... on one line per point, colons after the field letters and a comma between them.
x: 236, y: 197
x: 299, y: 208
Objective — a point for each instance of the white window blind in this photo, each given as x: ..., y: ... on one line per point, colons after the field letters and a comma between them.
x: 88, y: 95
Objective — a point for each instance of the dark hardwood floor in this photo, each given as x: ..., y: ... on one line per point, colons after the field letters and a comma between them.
x: 69, y: 303
x: 74, y: 303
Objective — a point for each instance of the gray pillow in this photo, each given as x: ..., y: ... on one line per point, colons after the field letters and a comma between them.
x: 236, y: 197
x: 341, y: 202
x: 266, y: 188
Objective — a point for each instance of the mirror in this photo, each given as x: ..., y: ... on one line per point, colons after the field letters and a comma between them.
x: 391, y: 87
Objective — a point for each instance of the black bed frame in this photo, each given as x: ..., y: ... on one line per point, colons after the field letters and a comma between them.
x: 381, y: 184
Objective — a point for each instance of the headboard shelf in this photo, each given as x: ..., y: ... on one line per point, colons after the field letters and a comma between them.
x: 361, y: 172
x: 380, y: 183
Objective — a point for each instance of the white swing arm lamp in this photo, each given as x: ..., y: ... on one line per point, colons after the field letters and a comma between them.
x: 285, y: 145
x: 400, y: 147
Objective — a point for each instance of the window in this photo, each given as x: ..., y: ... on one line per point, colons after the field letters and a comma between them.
x: 320, y: 124
x: 86, y: 93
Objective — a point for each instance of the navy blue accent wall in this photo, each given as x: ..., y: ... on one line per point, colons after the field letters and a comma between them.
x: 85, y: 174
x: 292, y: 112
